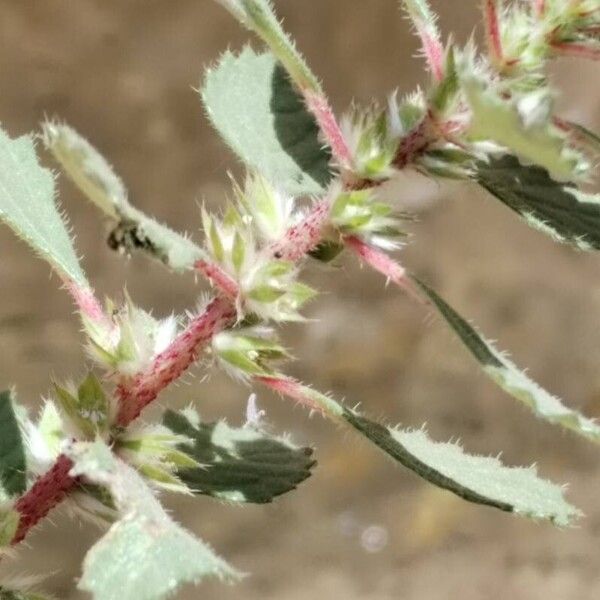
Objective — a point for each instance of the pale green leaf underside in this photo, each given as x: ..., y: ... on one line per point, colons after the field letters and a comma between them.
x: 88, y: 169
x: 254, y: 107
x: 28, y: 206
x: 559, y: 210
x: 478, y: 479
x: 96, y: 179
x: 12, y: 450
x: 145, y: 555
x: 239, y: 464
x: 511, y: 379
x: 496, y: 119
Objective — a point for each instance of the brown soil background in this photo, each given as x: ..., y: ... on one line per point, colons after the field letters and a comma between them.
x: 122, y: 73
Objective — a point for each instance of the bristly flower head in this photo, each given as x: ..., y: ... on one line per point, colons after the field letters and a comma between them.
x: 155, y: 452
x: 132, y: 341
x: 237, y: 243
x: 358, y: 213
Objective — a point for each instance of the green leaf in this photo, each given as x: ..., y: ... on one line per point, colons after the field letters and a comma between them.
x: 12, y: 451
x: 27, y: 205
x: 88, y: 169
x: 479, y: 479
x: 95, y: 178
x: 253, y: 105
x: 259, y: 16
x: 145, y: 555
x: 524, y: 128
x: 239, y: 464
x: 511, y: 379
x: 560, y: 210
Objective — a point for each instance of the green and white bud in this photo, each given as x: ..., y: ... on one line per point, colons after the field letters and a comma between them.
x: 269, y: 211
x: 373, y: 135
x: 358, y: 213
x: 270, y: 290
x: 248, y: 353
x: 132, y: 342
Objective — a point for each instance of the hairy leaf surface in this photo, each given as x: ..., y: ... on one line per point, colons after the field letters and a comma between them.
x: 559, y: 210
x: 479, y: 479
x: 525, y: 129
x: 145, y: 555
x: 27, y: 205
x: 253, y: 105
x: 239, y: 464
x: 514, y: 381
x: 96, y: 179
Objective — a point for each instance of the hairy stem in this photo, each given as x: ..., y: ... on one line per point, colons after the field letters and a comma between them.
x: 332, y: 134
x: 309, y: 398
x: 86, y: 302
x: 576, y: 50
x: 217, y: 277
x: 48, y: 491
x: 492, y: 28
x: 139, y: 391
x: 384, y: 264
x: 425, y: 23
x: 305, y: 235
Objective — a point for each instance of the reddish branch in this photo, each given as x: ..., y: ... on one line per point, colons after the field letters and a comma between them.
x: 217, y: 277
x: 87, y: 303
x: 50, y: 489
x: 135, y: 394
x: 286, y: 386
x: 492, y: 28
x: 576, y: 50
x: 434, y: 52
x: 413, y: 144
x: 303, y: 237
x: 329, y: 127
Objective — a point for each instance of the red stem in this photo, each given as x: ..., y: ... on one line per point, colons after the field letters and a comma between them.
x: 492, y: 27
x: 385, y: 265
x: 221, y: 280
x: 540, y: 7
x: 576, y: 50
x: 434, y: 52
x: 414, y: 143
x: 50, y: 489
x: 332, y: 133
x: 135, y: 394
x: 300, y: 239
x: 86, y: 302
x: 286, y: 386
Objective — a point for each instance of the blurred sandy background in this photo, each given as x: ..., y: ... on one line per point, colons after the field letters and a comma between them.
x: 122, y: 73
